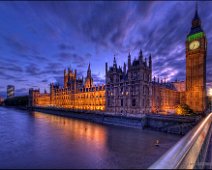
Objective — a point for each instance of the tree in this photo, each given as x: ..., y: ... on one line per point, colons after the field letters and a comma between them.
x: 184, y: 109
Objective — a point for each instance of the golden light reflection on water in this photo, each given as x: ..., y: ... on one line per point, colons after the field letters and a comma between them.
x: 80, y: 130
x: 40, y: 140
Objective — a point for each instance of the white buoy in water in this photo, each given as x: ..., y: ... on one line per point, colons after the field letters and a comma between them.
x: 157, y: 143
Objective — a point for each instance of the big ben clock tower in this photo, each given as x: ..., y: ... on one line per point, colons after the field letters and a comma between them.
x: 196, y: 49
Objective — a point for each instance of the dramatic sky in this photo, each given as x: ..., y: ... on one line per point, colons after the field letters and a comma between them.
x: 39, y: 39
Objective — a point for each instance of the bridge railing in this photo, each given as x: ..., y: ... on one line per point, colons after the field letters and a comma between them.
x: 190, y: 152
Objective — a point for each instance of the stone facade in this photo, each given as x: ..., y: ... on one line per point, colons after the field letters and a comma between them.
x: 128, y: 90
x: 165, y: 97
x: 38, y: 99
x: 74, y: 95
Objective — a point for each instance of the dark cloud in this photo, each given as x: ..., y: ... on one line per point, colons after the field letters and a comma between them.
x: 39, y: 58
x: 10, y: 67
x: 98, y: 79
x: 53, y: 67
x: 21, y: 92
x: 63, y: 46
x: 32, y: 69
x: 21, y: 80
x: 74, y: 58
x: 88, y: 55
x: 59, y: 79
x: 110, y: 24
x: 15, y: 44
x: 44, y: 81
x: 7, y: 76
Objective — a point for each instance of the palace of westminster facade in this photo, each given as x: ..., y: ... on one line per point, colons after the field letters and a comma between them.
x: 132, y: 89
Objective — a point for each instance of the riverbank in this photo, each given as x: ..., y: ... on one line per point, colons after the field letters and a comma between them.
x: 165, y: 123
x: 137, y: 121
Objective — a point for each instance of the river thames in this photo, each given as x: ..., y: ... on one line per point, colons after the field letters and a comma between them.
x: 39, y: 140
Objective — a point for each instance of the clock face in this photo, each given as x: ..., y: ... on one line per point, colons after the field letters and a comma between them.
x: 194, y: 45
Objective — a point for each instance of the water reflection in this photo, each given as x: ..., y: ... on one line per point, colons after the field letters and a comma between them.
x: 76, y: 129
x: 39, y: 140
x: 84, y: 136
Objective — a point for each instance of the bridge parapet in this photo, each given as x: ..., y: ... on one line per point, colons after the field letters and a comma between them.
x: 191, y: 151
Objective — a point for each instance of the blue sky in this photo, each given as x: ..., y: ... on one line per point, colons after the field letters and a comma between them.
x: 38, y: 40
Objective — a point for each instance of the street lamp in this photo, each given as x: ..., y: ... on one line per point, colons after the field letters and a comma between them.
x: 210, y: 95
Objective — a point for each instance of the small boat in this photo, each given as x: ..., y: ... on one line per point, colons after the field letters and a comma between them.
x: 157, y: 143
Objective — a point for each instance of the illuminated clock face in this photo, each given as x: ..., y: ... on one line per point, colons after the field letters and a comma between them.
x: 194, y: 45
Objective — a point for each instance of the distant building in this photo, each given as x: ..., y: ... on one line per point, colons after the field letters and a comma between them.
x: 1, y: 100
x: 10, y: 91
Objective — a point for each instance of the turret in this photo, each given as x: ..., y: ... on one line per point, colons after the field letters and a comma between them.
x: 154, y: 79
x: 125, y: 69
x: 129, y: 61
x: 69, y: 78
x: 114, y: 62
x: 150, y: 61
x: 140, y: 57
x: 65, y: 79
x: 106, y: 68
x: 89, y: 79
x: 89, y: 71
x: 52, y: 93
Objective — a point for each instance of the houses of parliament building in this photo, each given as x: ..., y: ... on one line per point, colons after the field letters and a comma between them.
x: 131, y: 88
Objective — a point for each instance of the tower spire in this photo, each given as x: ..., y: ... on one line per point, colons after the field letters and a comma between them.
x: 88, y: 79
x: 196, y: 16
x: 150, y: 61
x: 129, y: 61
x: 114, y: 60
x: 196, y: 22
x: 89, y: 67
x: 89, y: 70
x: 196, y: 6
x: 141, y: 56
